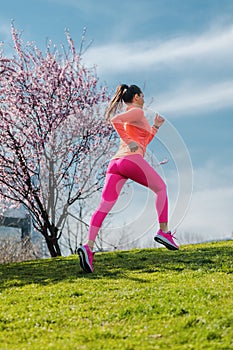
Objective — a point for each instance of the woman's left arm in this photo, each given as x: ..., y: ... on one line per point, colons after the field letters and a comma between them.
x: 158, y: 121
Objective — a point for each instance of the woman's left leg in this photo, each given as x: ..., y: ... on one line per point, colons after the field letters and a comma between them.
x: 136, y: 168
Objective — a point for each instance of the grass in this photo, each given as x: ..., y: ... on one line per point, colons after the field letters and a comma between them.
x: 139, y: 299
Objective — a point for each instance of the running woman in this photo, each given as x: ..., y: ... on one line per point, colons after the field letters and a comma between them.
x: 128, y: 163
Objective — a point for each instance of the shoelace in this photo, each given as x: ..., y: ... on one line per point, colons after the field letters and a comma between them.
x: 173, y: 236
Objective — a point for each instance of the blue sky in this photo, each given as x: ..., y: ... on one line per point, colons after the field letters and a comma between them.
x: 181, y: 53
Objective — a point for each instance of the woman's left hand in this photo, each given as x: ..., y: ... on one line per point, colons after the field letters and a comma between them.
x: 158, y: 121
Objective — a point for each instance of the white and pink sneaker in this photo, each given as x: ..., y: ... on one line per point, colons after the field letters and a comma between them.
x: 167, y: 239
x: 86, y: 258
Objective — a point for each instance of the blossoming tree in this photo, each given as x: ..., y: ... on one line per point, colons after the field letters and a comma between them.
x: 53, y: 138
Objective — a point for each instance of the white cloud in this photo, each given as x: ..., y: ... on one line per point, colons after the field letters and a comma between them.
x: 197, y: 69
x: 210, y: 213
x: 5, y: 31
x: 210, y: 46
x: 186, y: 100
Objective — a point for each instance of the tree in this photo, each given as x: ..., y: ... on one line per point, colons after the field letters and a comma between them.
x: 53, y: 138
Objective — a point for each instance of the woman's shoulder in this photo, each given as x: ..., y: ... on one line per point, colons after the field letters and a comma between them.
x: 136, y: 111
x: 134, y: 108
x: 131, y: 113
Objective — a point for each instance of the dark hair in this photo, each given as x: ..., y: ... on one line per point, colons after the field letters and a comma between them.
x: 124, y: 93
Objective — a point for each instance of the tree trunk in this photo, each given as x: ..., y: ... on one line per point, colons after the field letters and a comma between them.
x: 53, y: 246
x: 52, y: 241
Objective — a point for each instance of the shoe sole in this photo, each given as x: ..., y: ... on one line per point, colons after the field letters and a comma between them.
x: 165, y: 242
x: 84, y: 261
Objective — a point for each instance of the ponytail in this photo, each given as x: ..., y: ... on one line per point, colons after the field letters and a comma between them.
x: 124, y: 93
x: 116, y: 101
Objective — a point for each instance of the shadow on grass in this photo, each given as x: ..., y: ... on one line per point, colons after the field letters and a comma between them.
x: 209, y: 257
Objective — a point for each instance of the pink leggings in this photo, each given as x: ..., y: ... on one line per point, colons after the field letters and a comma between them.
x: 132, y: 167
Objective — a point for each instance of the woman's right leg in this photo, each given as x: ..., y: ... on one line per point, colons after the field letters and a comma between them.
x: 112, y: 188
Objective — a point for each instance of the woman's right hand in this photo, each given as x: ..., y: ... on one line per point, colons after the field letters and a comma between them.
x: 133, y: 146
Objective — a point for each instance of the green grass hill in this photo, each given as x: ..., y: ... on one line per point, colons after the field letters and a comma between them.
x: 135, y: 300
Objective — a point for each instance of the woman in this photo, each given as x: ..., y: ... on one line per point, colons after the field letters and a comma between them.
x: 129, y: 163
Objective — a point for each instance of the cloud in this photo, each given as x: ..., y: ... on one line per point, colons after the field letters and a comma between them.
x: 186, y: 100
x: 196, y: 70
x: 117, y: 57
x: 210, y: 212
x: 5, y: 31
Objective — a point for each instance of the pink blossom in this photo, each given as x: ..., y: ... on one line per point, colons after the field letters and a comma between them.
x: 53, y: 140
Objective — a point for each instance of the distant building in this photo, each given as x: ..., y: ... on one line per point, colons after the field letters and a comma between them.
x: 17, y: 223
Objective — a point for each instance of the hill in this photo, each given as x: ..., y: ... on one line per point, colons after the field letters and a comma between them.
x: 138, y: 299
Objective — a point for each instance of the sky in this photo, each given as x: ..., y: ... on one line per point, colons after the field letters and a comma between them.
x: 181, y: 54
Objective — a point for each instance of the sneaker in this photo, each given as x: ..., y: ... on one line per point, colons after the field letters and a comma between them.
x: 166, y: 238
x: 86, y: 258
